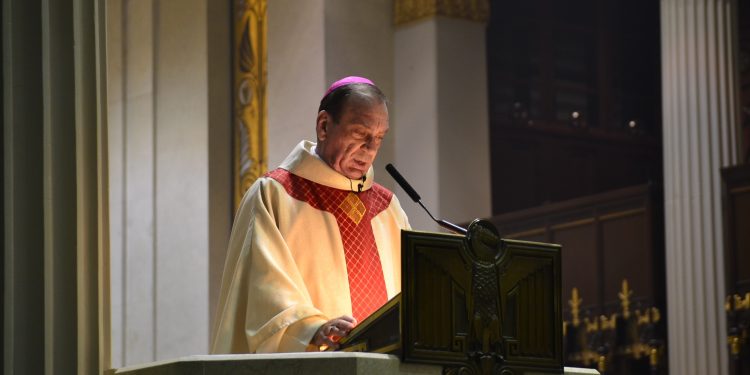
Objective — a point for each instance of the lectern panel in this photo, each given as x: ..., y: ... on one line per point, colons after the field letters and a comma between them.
x: 475, y: 304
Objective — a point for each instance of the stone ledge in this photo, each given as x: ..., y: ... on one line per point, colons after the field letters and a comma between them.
x: 333, y: 363
x: 324, y: 363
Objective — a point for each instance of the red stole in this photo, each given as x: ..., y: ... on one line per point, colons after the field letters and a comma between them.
x: 353, y: 213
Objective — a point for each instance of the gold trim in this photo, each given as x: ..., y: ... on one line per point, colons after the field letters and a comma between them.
x: 739, y: 190
x: 608, y: 323
x: 405, y: 11
x: 530, y: 232
x: 572, y: 224
x: 735, y: 344
x: 389, y: 348
x: 358, y: 347
x: 617, y: 215
x: 741, y: 303
x: 624, y: 295
x: 353, y: 207
x: 601, y: 364
x: 373, y: 317
x: 249, y: 95
x: 575, y: 305
x: 591, y: 325
x: 649, y: 316
x: 653, y: 357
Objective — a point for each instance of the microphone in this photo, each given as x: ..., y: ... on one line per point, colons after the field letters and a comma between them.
x: 416, y: 198
x: 362, y: 184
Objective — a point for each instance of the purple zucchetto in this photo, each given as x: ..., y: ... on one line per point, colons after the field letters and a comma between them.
x: 347, y: 81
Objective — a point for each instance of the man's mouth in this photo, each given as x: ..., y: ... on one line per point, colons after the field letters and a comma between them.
x: 360, y: 164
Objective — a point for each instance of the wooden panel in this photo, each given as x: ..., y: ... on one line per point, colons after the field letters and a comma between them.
x: 505, y: 196
x: 736, y: 199
x: 736, y: 195
x: 627, y: 255
x: 579, y: 253
x: 605, y: 238
x: 742, y: 231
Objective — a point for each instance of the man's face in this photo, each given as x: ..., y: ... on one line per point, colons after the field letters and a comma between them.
x: 349, y: 146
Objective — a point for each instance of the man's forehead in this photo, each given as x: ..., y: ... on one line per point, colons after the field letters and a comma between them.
x: 359, y: 102
x: 362, y: 111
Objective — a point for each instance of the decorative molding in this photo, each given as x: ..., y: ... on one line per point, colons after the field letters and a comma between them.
x: 249, y: 94
x: 405, y: 11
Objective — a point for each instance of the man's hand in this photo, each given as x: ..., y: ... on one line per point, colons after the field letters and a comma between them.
x: 333, y: 330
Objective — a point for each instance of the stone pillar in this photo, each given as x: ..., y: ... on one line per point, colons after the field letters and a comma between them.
x: 442, y: 144
x: 23, y: 211
x: 55, y: 278
x: 700, y: 137
x: 295, y: 34
x: 170, y: 144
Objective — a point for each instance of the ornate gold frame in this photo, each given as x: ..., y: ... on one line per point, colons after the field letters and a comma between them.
x: 249, y: 94
x: 405, y: 11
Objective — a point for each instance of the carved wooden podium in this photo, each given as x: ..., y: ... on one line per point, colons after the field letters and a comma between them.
x: 475, y: 304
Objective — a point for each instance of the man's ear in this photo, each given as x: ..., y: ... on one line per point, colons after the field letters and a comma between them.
x: 322, y: 124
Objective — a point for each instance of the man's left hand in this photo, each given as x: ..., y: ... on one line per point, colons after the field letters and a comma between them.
x: 333, y: 330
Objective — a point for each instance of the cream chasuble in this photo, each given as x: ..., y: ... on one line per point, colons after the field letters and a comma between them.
x: 306, y: 248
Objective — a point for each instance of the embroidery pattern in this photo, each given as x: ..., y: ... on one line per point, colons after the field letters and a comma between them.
x: 353, y: 213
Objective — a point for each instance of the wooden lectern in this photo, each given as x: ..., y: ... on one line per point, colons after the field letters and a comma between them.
x: 475, y: 304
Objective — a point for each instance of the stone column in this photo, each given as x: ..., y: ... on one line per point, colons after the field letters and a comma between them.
x: 170, y: 173
x: 55, y: 277
x: 700, y: 137
x: 295, y: 34
x: 442, y: 144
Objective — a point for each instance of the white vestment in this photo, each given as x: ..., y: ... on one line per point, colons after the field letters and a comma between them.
x: 286, y: 273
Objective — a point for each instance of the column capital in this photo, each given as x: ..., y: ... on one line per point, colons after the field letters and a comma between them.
x: 405, y: 11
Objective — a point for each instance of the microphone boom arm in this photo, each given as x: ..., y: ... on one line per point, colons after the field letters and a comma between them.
x: 416, y: 198
x: 444, y: 223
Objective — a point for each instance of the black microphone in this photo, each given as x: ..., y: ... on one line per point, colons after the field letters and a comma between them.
x: 361, y: 185
x: 416, y: 198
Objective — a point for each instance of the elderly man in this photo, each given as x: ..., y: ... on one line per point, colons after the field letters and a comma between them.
x: 315, y: 246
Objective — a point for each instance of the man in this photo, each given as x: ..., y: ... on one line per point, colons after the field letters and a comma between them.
x: 315, y: 246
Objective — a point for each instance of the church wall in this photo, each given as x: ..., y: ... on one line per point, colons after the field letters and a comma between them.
x: 170, y: 172
x: 220, y: 136
x: 181, y: 179
x: 464, y: 172
x: 416, y: 108
x: 359, y: 41
x: 131, y: 176
x: 441, y: 103
x: 115, y: 133
x: 296, y: 73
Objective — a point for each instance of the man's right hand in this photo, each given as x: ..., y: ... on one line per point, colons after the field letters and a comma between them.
x: 333, y: 330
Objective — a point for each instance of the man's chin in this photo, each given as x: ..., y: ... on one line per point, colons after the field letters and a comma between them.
x: 355, y: 173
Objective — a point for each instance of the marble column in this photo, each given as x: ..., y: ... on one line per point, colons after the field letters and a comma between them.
x: 442, y: 144
x: 170, y: 173
x: 700, y: 137
x: 55, y: 276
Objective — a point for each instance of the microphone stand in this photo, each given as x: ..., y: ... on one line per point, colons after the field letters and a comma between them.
x: 416, y: 198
